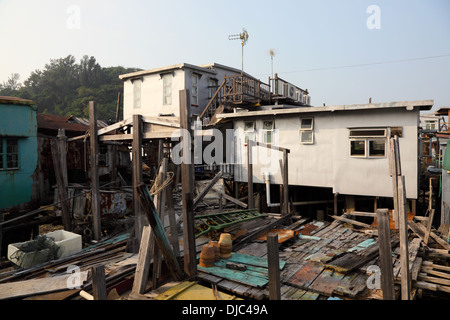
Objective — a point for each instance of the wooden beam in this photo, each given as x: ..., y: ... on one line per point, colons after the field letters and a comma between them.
x: 403, y: 234
x: 62, y: 190
x: 251, y: 204
x: 98, y: 282
x: 285, y: 182
x: 187, y: 180
x: 395, y: 172
x: 273, y: 261
x: 235, y: 201
x: 429, y: 225
x: 62, y: 147
x: 205, y: 191
x: 269, y: 146
x: 95, y: 184
x: 172, y: 222
x: 354, y: 222
x: 143, y: 263
x: 159, y: 232
x: 139, y: 218
x: 384, y: 243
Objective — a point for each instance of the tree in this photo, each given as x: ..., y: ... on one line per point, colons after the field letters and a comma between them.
x: 13, y: 82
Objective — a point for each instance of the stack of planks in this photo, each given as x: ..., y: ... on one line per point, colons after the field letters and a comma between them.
x: 54, y: 280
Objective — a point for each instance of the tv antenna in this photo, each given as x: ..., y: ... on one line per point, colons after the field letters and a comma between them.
x: 272, y: 54
x: 244, y: 38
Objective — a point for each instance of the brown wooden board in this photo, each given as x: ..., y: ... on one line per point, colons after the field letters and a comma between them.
x: 326, y: 282
x: 306, y: 275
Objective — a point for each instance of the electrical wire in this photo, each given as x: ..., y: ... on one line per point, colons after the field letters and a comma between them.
x: 365, y: 64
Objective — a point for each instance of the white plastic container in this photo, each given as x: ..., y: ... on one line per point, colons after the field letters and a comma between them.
x: 70, y: 243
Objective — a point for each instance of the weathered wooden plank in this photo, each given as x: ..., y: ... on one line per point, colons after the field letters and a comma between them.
x: 384, y: 244
x: 143, y: 264
x: 26, y: 288
x: 403, y: 234
x: 95, y: 181
x: 98, y: 282
x: 159, y: 232
x: 326, y: 282
x: 306, y: 275
x: 274, y: 267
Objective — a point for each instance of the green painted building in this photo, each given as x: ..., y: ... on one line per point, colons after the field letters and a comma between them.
x: 18, y: 151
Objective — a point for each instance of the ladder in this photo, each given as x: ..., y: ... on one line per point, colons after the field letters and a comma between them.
x: 216, y: 221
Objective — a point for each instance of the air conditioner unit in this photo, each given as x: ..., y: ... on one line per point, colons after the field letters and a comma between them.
x: 300, y: 97
x: 290, y: 91
x: 308, y: 100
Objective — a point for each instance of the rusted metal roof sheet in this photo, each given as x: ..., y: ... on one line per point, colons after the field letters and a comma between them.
x: 55, y: 122
x: 15, y: 100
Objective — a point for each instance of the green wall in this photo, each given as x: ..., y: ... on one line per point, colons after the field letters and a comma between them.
x: 18, y: 121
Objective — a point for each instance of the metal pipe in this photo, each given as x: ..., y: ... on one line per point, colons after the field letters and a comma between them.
x: 267, y: 180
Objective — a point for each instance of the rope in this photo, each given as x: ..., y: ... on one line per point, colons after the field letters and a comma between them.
x: 154, y: 190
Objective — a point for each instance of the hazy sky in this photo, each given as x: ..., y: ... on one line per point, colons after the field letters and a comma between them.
x: 343, y: 52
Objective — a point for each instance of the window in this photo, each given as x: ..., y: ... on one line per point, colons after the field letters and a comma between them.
x: 431, y: 125
x: 194, y: 90
x: 249, y: 131
x: 212, y: 87
x: 268, y: 126
x: 137, y: 93
x: 9, y: 154
x: 167, y: 89
x: 368, y: 143
x: 307, y: 130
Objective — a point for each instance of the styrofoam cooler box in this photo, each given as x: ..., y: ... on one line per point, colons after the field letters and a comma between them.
x: 70, y: 243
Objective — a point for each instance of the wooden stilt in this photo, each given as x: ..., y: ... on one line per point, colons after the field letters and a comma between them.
x: 274, y: 267
x: 98, y: 282
x: 251, y: 204
x: 139, y: 218
x: 384, y: 243
x: 95, y: 183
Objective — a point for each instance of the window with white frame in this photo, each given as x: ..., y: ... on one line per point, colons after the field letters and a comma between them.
x: 368, y: 143
x: 194, y: 90
x: 249, y: 131
x: 167, y: 89
x: 306, y: 130
x: 268, y: 131
x: 137, y: 93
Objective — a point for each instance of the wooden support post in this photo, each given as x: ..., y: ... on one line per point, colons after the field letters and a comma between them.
x: 335, y: 204
x: 251, y: 204
x: 384, y: 243
x: 172, y: 222
x: 95, y: 184
x: 62, y: 190
x: 143, y: 263
x: 395, y: 172
x: 274, y: 267
x: 98, y: 282
x: 285, y: 183
x: 139, y: 218
x: 403, y: 234
x: 187, y: 180
x: 62, y: 147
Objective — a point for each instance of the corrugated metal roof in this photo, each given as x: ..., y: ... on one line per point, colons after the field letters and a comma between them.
x: 55, y: 122
x: 15, y: 100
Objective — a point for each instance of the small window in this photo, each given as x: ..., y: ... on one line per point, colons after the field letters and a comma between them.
x: 307, y: 136
x: 306, y: 130
x: 212, y: 87
x: 167, y: 89
x: 368, y: 143
x: 377, y: 148
x: 137, y: 93
x: 358, y: 148
x: 307, y: 124
x: 268, y: 127
x: 194, y: 90
x: 12, y: 154
x: 249, y: 126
